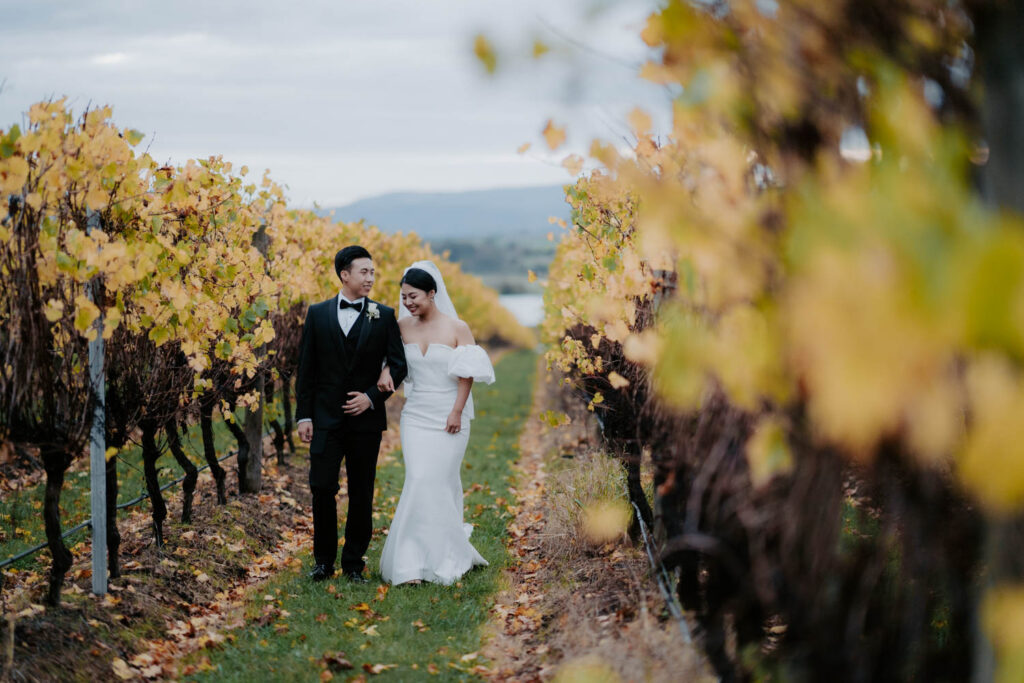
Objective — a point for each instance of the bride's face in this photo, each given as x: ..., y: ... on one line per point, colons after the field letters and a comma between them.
x: 416, y: 300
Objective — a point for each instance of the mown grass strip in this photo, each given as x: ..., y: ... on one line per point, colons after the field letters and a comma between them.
x: 421, y: 632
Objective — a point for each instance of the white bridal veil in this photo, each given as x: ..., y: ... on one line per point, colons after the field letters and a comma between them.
x: 441, y: 298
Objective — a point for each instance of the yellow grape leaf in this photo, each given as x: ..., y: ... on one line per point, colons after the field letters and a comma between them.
x: 484, y: 51
x: 133, y: 136
x: 531, y: 276
x: 617, y: 331
x: 553, y: 135
x: 13, y: 174
x: 767, y: 452
x: 177, y: 193
x: 96, y: 199
x: 1003, y: 615
x: 522, y: 148
x: 639, y: 121
x: 605, y: 521
x: 85, y: 314
x: 573, y: 163
x: 34, y: 199
x: 53, y: 310
x: 554, y: 419
x: 160, y: 334
x: 656, y: 73
x: 935, y: 421
x: 111, y: 319
x: 617, y: 381
x: 540, y: 49
x: 992, y: 462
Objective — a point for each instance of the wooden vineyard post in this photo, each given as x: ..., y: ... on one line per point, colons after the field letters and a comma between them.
x: 250, y: 480
x: 98, y: 442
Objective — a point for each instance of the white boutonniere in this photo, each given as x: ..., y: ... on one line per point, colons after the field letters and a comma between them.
x: 372, y: 312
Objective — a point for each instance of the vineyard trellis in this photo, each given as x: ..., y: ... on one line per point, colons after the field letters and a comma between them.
x: 98, y: 439
x: 194, y: 278
x: 88, y: 524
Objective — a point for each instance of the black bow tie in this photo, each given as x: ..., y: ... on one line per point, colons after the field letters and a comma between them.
x: 346, y: 304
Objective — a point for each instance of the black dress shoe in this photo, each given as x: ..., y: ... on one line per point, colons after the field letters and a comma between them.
x: 356, y: 577
x: 321, y: 572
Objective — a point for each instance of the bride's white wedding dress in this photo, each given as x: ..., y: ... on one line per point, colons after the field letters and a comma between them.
x: 428, y: 539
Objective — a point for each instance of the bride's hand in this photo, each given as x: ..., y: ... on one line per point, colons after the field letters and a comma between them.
x: 384, y: 382
x: 454, y: 424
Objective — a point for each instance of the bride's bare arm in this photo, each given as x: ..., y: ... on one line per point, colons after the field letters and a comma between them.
x: 385, y: 382
x: 464, y: 337
x: 454, y: 423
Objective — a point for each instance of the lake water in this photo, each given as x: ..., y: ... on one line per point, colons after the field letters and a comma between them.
x: 527, y: 308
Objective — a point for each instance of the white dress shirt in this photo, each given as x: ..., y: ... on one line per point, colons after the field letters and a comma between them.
x: 347, y: 316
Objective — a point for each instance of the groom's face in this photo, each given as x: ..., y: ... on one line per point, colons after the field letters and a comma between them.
x: 358, y: 278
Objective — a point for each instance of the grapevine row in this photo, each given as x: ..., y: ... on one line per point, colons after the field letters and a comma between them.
x: 200, y: 276
x: 818, y: 349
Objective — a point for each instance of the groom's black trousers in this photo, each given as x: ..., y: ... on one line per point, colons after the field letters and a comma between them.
x: 359, y: 451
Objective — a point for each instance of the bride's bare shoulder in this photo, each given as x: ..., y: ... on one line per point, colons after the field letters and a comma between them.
x: 452, y: 324
x: 463, y: 335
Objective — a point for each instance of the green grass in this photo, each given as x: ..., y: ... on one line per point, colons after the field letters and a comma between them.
x: 417, y: 628
x: 21, y: 512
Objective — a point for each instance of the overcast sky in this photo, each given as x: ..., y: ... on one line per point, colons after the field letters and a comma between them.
x: 340, y: 99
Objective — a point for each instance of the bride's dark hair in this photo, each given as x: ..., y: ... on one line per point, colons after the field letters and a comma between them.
x: 420, y: 279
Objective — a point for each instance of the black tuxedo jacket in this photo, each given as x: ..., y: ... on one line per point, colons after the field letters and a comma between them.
x: 330, y: 366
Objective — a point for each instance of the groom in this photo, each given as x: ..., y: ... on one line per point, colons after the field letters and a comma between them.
x: 340, y: 411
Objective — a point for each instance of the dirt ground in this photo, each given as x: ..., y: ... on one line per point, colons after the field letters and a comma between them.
x: 573, y: 609
x: 169, y: 601
x: 576, y: 610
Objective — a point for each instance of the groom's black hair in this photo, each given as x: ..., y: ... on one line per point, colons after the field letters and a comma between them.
x: 344, y: 258
x: 420, y: 279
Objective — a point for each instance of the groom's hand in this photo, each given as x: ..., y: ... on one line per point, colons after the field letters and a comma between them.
x: 306, y: 431
x: 358, y: 403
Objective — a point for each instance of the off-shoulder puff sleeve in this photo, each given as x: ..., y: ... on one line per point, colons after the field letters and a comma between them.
x: 471, y: 361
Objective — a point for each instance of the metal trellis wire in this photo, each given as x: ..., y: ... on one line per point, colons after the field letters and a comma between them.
x: 88, y: 523
x: 662, y: 577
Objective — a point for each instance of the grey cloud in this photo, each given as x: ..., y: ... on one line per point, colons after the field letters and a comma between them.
x: 340, y: 99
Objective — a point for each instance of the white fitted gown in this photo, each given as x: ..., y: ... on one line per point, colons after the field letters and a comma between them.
x: 428, y: 539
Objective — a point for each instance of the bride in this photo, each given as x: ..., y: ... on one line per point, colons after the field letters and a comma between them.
x: 428, y: 540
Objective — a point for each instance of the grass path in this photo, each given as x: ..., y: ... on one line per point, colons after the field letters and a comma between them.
x: 298, y: 630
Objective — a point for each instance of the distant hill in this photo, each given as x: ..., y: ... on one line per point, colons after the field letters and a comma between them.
x: 478, y: 214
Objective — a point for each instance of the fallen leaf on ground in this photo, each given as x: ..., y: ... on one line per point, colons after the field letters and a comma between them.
x: 378, y: 668
x: 122, y: 670
x: 335, y: 661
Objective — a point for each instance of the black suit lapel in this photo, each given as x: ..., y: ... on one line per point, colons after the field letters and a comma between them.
x: 337, y: 334
x: 364, y: 326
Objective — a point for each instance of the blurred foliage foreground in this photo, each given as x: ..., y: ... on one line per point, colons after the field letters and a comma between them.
x: 806, y: 303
